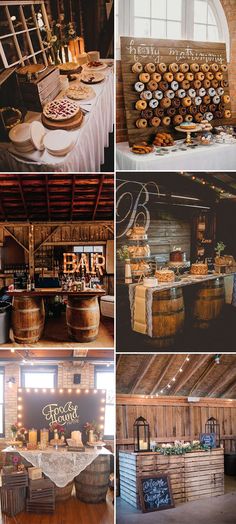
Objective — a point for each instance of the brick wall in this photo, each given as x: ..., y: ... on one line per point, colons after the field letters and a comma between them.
x: 229, y: 7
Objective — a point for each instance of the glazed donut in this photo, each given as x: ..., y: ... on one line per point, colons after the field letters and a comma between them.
x: 141, y: 123
x: 177, y: 120
x: 174, y: 68
x: 227, y: 113
x: 137, y: 67
x: 184, y: 68
x: 219, y: 114
x: 224, y: 68
x: 150, y: 68
x: 216, y: 99
x: 162, y: 67
x: 212, y: 108
x: 147, y: 113
x: 193, y: 110
x: 215, y: 83
x: 225, y: 83
x: 188, y: 118
x: 198, y: 100
x: 163, y: 85
x: 205, y: 68
x: 220, y: 91
x: 155, y: 121
x: 181, y: 93
x: 209, y: 76
x: 185, y: 84
x: 219, y: 75
x: 153, y: 103
x: 207, y: 99
x: 174, y: 85
x: 183, y: 111
x: 211, y: 91
x: 222, y: 107
x: 146, y: 95
x: 152, y: 86
x: 206, y: 83
x: 166, y: 121
x: 194, y: 68
x: 141, y: 105
x: 170, y: 94
x: 168, y: 77
x: 208, y: 116
x: 156, y: 77
x: 171, y: 111
x: 192, y: 92
x: 187, y: 101
x: 176, y: 102
x: 198, y: 117
x: 189, y: 76
x: 165, y: 102
x: 179, y: 77
x: 202, y: 92
x: 200, y: 76
x: 203, y: 108
x: 144, y: 77
x: 158, y: 94
x: 197, y: 84
x: 139, y: 87
x: 214, y: 68
x: 159, y: 112
x: 226, y: 99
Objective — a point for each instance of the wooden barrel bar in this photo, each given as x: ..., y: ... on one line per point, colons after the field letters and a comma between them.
x: 63, y: 494
x: 167, y: 316
x: 28, y: 318
x: 92, y: 484
x: 83, y: 318
x: 208, y: 302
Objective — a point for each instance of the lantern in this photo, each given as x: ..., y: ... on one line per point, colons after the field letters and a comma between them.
x: 141, y: 435
x: 212, y: 426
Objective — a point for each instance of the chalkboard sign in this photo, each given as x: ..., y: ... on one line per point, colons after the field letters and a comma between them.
x: 155, y: 493
x: 208, y: 439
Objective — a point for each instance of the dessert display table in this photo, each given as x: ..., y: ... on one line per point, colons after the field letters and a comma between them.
x: 90, y: 139
x: 82, y: 314
x: 202, y: 158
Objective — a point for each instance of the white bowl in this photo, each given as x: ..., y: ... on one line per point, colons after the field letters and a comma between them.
x: 58, y: 142
x: 20, y: 134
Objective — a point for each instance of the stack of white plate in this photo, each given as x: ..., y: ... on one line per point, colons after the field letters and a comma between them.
x: 58, y: 143
x: 27, y: 137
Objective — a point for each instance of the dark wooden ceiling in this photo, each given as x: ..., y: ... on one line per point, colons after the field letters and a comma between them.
x: 201, y: 376
x: 56, y: 197
x: 106, y: 355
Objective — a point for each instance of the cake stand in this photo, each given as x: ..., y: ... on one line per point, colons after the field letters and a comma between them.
x: 189, y: 132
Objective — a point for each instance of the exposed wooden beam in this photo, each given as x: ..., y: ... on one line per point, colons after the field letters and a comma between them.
x: 142, y: 370
x: 203, y: 375
x: 190, y: 370
x: 229, y: 389
x: 98, y: 195
x: 47, y: 238
x: 118, y: 362
x: 15, y: 238
x: 22, y: 195
x: 225, y: 380
x: 72, y: 196
x: 166, y: 368
x: 31, y: 251
x: 48, y: 198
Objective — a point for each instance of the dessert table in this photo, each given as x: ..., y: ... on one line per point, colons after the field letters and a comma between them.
x: 60, y: 466
x: 202, y: 158
x: 90, y: 139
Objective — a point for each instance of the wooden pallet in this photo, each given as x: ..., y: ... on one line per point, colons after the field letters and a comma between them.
x: 44, y: 505
x: 17, y: 479
x: 12, y: 500
x: 41, y: 489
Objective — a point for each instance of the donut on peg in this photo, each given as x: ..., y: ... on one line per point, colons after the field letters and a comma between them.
x: 163, y: 85
x: 185, y: 84
x: 226, y: 99
x: 216, y: 99
x: 198, y: 117
x: 206, y: 83
x: 199, y: 76
x: 187, y: 101
x: 153, y: 103
x: 141, y: 123
x: 225, y: 83
x: 219, y: 114
x: 155, y: 121
x: 137, y: 67
x: 146, y: 95
x: 209, y: 75
x: 198, y: 100
x: 181, y: 93
x: 168, y: 77
x: 224, y: 68
x: 208, y: 116
x: 193, y: 110
x: 207, y: 100
x: 156, y: 77
x: 205, y: 68
x: 191, y: 92
x: 194, y: 68
x: 170, y: 93
x: 219, y: 75
x: 214, y: 83
x: 158, y: 94
x: 152, y: 86
x: 212, y: 108
x: 189, y: 76
x: 197, y: 84
x: 184, y: 68
x: 139, y: 87
x: 144, y: 77
x: 171, y: 111
x: 166, y: 120
x: 183, y: 111
x: 202, y: 108
x: 174, y: 85
x: 150, y: 68
x: 174, y: 68
x: 147, y: 113
x: 177, y: 120
x: 211, y: 91
x: 214, y: 68
x: 176, y: 102
x: 179, y: 77
x: 159, y: 112
x: 141, y: 105
x: 188, y: 118
x: 165, y: 102
x: 202, y: 91
x: 162, y: 67
x: 220, y: 91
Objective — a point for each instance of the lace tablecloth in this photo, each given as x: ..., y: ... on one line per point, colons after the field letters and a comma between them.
x: 60, y: 466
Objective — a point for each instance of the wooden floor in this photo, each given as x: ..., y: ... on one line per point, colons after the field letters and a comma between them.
x: 56, y: 335
x: 70, y: 512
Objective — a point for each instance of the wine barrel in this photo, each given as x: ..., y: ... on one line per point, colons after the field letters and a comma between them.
x: 28, y: 317
x: 167, y: 316
x: 62, y: 494
x: 83, y: 317
x: 208, y: 302
x: 92, y: 484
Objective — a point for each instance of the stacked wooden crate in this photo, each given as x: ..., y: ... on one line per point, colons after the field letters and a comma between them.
x: 13, y: 492
x: 204, y: 474
x: 41, y: 496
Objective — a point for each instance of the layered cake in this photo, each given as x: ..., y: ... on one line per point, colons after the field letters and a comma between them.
x: 165, y: 275
x: 176, y: 255
x: 137, y: 233
x: 139, y: 251
x: 199, y: 269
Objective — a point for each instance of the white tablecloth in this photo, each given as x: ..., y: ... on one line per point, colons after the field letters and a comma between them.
x: 90, y: 140
x: 216, y: 157
x: 60, y: 466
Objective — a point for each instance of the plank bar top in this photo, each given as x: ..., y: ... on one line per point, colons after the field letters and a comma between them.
x: 187, y: 282
x: 50, y: 292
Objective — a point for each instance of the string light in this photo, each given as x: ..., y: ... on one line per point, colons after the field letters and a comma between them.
x: 170, y: 382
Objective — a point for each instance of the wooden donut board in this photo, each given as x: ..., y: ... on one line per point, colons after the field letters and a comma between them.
x: 68, y: 125
x: 147, y: 50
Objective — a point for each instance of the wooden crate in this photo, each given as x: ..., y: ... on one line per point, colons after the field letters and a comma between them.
x: 44, y: 505
x: 38, y: 92
x: 12, y: 500
x: 42, y: 488
x: 17, y: 479
x: 193, y: 475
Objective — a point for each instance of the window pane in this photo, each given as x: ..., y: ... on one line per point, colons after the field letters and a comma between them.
x: 4, y: 27
x: 15, y: 18
x: 213, y: 34
x: 200, y: 11
x: 142, y: 8
x: 28, y: 16
x: 109, y: 426
x: 200, y: 32
x: 158, y: 29
x: 159, y: 9
x: 174, y: 9
x: 10, y: 50
x: 98, y: 249
x: 141, y: 27
x: 88, y: 249
x: 1, y: 419
x: 1, y: 387
x: 78, y: 249
x: 211, y: 16
x: 105, y: 380
x: 39, y: 380
x: 174, y: 30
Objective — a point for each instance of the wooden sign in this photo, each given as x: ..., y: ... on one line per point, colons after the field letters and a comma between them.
x: 91, y: 263
x: 155, y: 493
x: 208, y: 439
x: 71, y: 408
x: 149, y: 50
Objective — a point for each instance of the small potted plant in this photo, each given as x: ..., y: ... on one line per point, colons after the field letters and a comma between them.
x: 124, y: 254
x: 14, y: 429
x: 220, y: 263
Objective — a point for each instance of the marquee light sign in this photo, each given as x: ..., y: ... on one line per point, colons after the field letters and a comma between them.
x: 71, y: 408
x: 77, y: 262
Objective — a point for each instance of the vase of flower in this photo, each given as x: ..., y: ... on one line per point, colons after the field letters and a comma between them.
x: 14, y: 430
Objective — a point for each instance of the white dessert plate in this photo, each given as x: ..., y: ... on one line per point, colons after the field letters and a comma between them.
x: 58, y: 140
x: 20, y: 134
x: 92, y: 77
x: 37, y: 135
x: 95, y: 68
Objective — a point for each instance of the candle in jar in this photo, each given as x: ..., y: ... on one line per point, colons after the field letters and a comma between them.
x: 44, y: 436
x: 33, y: 436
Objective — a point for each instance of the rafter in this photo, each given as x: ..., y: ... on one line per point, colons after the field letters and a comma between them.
x: 48, y: 198
x: 190, y: 370
x: 72, y: 196
x: 203, y: 375
x: 47, y: 238
x: 229, y: 389
x: 98, y: 195
x: 15, y: 238
x: 225, y: 380
x: 163, y: 373
x: 22, y: 195
x: 143, y: 369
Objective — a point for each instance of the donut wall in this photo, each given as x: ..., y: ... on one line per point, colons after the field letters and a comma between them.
x: 168, y: 82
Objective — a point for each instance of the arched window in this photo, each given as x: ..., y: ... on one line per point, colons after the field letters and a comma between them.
x: 200, y: 20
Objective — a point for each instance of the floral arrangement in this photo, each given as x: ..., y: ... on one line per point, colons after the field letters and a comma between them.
x: 92, y: 426
x: 69, y: 31
x: 123, y: 253
x: 220, y: 247
x: 57, y: 427
x: 180, y: 447
x: 14, y: 427
x: 21, y: 434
